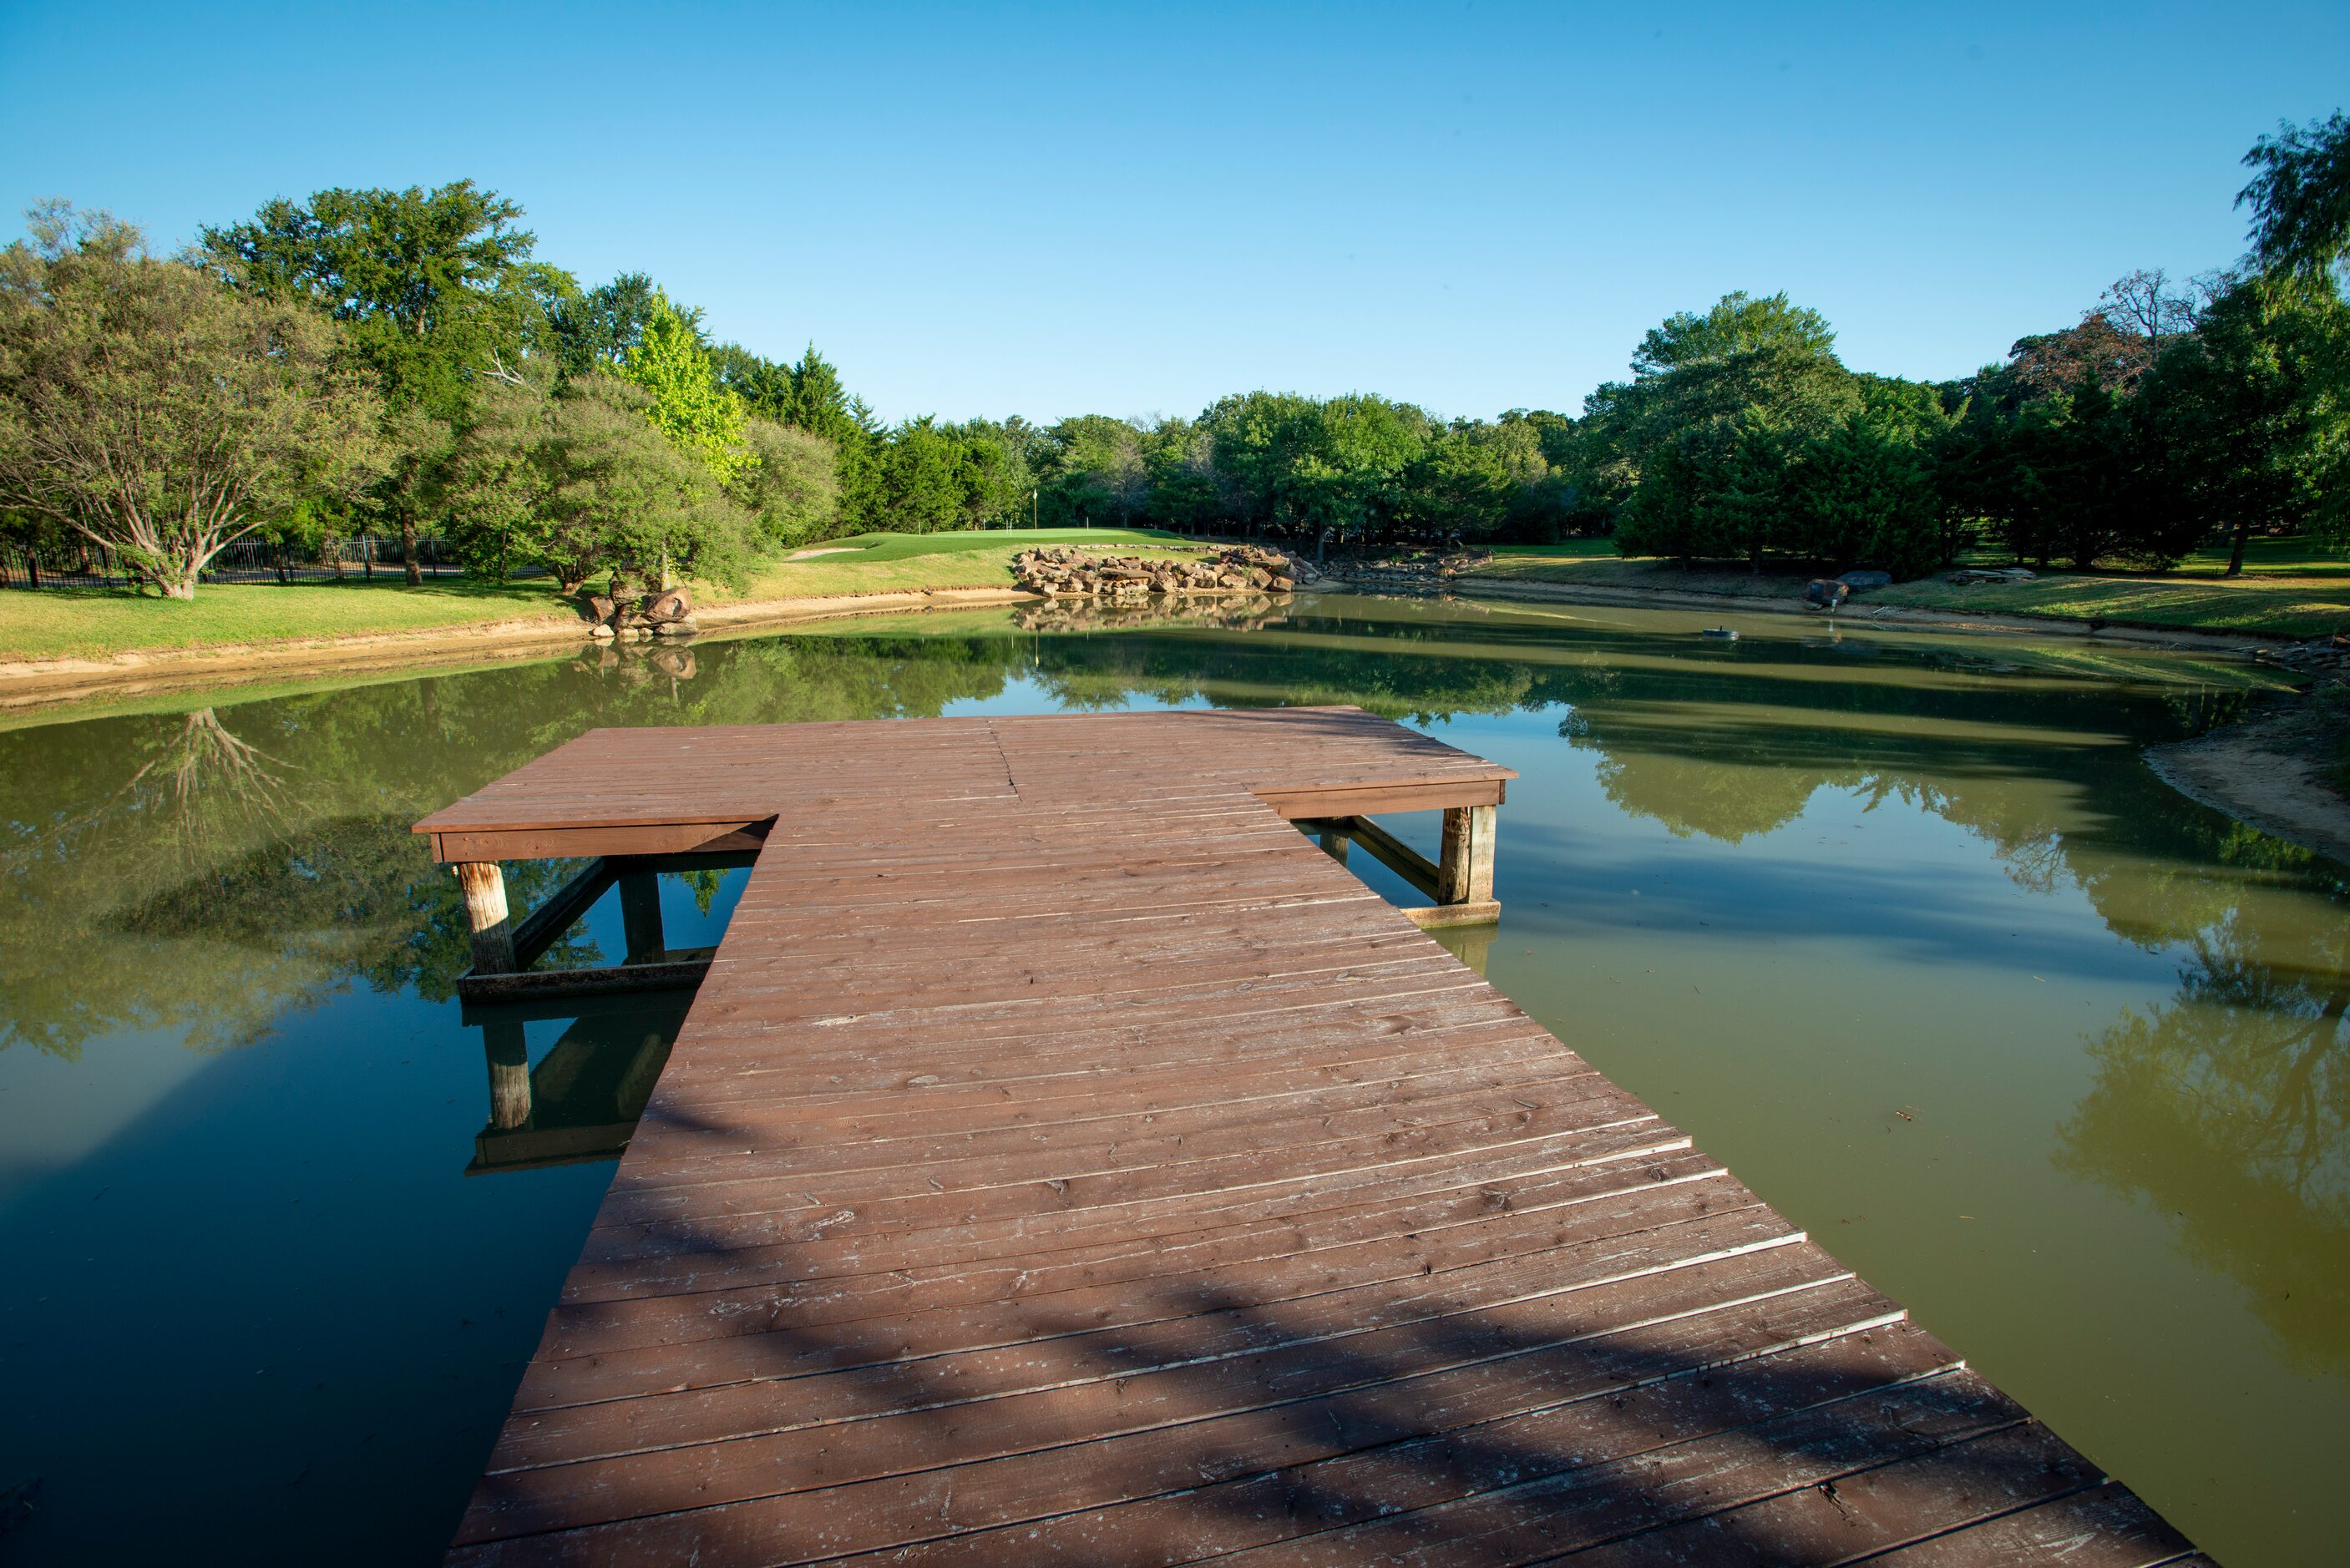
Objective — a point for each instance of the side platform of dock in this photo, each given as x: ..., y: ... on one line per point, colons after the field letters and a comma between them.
x: 1065, y: 1160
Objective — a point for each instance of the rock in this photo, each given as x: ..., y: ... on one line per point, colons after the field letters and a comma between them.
x: 1859, y: 580
x: 1825, y: 593
x: 671, y: 605
x: 596, y: 606
x: 602, y: 631
x: 685, y: 627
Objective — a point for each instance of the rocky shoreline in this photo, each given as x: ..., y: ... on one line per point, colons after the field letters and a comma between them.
x: 1075, y: 573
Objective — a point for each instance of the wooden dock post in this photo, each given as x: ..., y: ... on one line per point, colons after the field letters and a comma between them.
x: 509, y: 1059
x: 485, y: 911
x: 1464, y: 871
x: 640, y: 917
x: 1332, y: 836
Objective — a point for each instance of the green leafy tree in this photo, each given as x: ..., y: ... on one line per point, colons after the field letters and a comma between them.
x: 145, y: 407
x: 434, y: 288
x: 922, y: 477
x: 792, y: 488
x: 581, y: 479
x: 1717, y: 405
x: 764, y: 386
x: 998, y: 479
x: 700, y: 416
x: 1097, y: 473
x: 1469, y: 478
x: 596, y: 330
x: 1865, y: 492
x: 1254, y: 436
x: 2300, y: 197
x: 2251, y: 414
x: 1345, y: 478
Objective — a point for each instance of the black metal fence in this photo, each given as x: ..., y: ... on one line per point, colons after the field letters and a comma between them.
x: 76, y: 565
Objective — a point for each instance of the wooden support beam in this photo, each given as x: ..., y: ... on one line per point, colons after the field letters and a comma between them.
x: 1332, y: 837
x: 1465, y: 873
x: 640, y: 917
x: 560, y: 911
x: 1393, y: 854
x: 484, y: 888
x: 685, y: 967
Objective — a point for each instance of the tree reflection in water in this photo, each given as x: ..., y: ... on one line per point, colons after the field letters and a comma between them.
x: 2228, y: 1107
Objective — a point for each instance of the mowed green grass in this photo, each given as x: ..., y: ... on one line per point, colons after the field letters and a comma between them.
x: 99, y: 623
x: 96, y: 623
x: 2290, y: 587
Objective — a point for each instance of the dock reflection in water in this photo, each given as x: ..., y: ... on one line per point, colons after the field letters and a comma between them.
x: 582, y: 1099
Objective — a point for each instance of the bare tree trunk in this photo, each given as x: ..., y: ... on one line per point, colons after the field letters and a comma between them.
x: 408, y: 551
x: 2236, y: 552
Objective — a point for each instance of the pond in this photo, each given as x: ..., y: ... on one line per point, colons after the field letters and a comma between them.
x: 1900, y: 927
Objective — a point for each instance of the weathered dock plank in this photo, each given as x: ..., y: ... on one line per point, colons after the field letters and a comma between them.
x: 1066, y: 1161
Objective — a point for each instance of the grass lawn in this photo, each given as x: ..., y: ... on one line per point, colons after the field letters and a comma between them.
x: 2289, y: 589
x: 94, y: 623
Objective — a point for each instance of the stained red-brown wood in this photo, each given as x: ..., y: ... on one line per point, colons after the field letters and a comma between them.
x: 1066, y: 1161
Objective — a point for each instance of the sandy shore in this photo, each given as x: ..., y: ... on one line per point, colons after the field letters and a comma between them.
x: 2267, y: 771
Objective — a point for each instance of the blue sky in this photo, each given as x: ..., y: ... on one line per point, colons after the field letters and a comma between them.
x: 1050, y: 211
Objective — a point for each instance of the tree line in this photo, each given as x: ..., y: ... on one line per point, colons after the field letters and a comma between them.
x: 397, y: 361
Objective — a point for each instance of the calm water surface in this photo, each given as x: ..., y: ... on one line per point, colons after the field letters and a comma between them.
x: 1901, y: 928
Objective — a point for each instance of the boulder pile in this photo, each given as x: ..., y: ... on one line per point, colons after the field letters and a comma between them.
x: 669, y: 613
x: 1069, y: 574
x: 1409, y: 574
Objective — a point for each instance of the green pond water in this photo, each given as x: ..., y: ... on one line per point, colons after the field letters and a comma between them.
x: 1900, y: 927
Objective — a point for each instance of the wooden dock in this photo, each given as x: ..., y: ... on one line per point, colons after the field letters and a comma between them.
x: 1065, y: 1160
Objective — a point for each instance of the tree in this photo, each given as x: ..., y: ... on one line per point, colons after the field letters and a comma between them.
x: 145, y: 407
x: 434, y: 289
x: 922, y: 482
x: 2251, y: 414
x: 792, y: 486
x: 818, y: 403
x: 596, y: 330
x: 765, y: 386
x: 1469, y: 478
x: 1865, y: 492
x: 2300, y: 197
x: 578, y: 478
x: 997, y: 478
x: 1345, y: 476
x: 1097, y: 472
x: 1717, y: 406
x: 700, y: 416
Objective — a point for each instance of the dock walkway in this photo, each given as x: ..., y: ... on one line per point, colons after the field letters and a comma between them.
x: 1066, y: 1161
